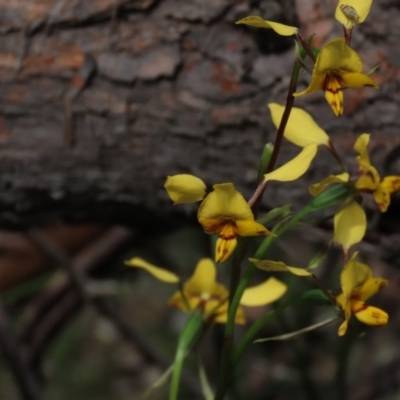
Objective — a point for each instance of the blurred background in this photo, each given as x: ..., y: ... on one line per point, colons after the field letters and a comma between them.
x: 100, y: 100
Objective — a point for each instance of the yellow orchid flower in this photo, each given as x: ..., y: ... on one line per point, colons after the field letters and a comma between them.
x: 301, y: 129
x: 185, y: 188
x: 337, y: 65
x: 352, y: 12
x: 358, y: 285
x: 226, y: 212
x: 280, y: 29
x: 202, y: 291
x: 369, y: 180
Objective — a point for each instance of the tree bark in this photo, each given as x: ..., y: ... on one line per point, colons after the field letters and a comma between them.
x: 101, y: 99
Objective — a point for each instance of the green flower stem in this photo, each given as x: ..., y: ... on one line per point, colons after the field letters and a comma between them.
x: 251, y: 333
x: 226, y: 354
x: 330, y: 197
x: 186, y: 340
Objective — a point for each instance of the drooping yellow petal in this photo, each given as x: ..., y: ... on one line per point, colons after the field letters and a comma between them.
x: 334, y: 94
x: 352, y: 12
x: 278, y: 266
x: 372, y: 316
x: 350, y: 224
x: 369, y: 288
x: 264, y: 293
x: 159, y: 273
x: 203, y: 278
x: 301, y: 128
x: 361, y: 147
x: 353, y: 275
x: 251, y: 228
x: 336, y: 55
x: 294, y: 168
x: 224, y: 248
x: 225, y: 201
x: 280, y: 29
x: 343, y: 327
x: 185, y: 188
x: 319, y: 187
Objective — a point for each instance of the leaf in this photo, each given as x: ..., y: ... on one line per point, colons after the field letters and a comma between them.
x: 318, y: 259
x: 315, y: 297
x: 371, y: 71
x: 160, y: 381
x: 205, y: 385
x: 295, y: 334
x: 279, y: 266
x: 186, y: 339
x: 276, y: 213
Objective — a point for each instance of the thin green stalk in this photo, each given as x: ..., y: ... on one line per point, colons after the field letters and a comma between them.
x: 343, y: 353
x: 186, y: 339
x: 226, y: 354
x: 330, y: 197
x: 258, y: 324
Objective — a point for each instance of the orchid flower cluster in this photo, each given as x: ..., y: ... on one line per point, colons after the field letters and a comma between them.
x: 225, y: 213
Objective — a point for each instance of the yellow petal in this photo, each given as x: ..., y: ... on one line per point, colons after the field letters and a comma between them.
x: 344, y: 304
x: 388, y: 186
x: 343, y: 327
x: 280, y: 29
x: 357, y: 80
x: 203, y: 278
x: 337, y: 56
x: 264, y: 293
x: 159, y: 273
x: 296, y: 167
x: 391, y: 184
x: 369, y: 181
x: 185, y: 305
x: 334, y: 94
x: 185, y: 188
x: 278, y: 266
x: 360, y: 147
x: 369, y: 288
x: 251, y: 228
x: 225, y: 201
x: 352, y: 12
x: 353, y: 275
x: 372, y: 316
x: 224, y: 249
x: 350, y: 224
x: 301, y: 128
x: 221, y: 315
x: 317, y: 83
x: 319, y: 187
x: 381, y: 197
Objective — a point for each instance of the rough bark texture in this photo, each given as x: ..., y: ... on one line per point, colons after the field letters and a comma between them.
x: 101, y: 99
